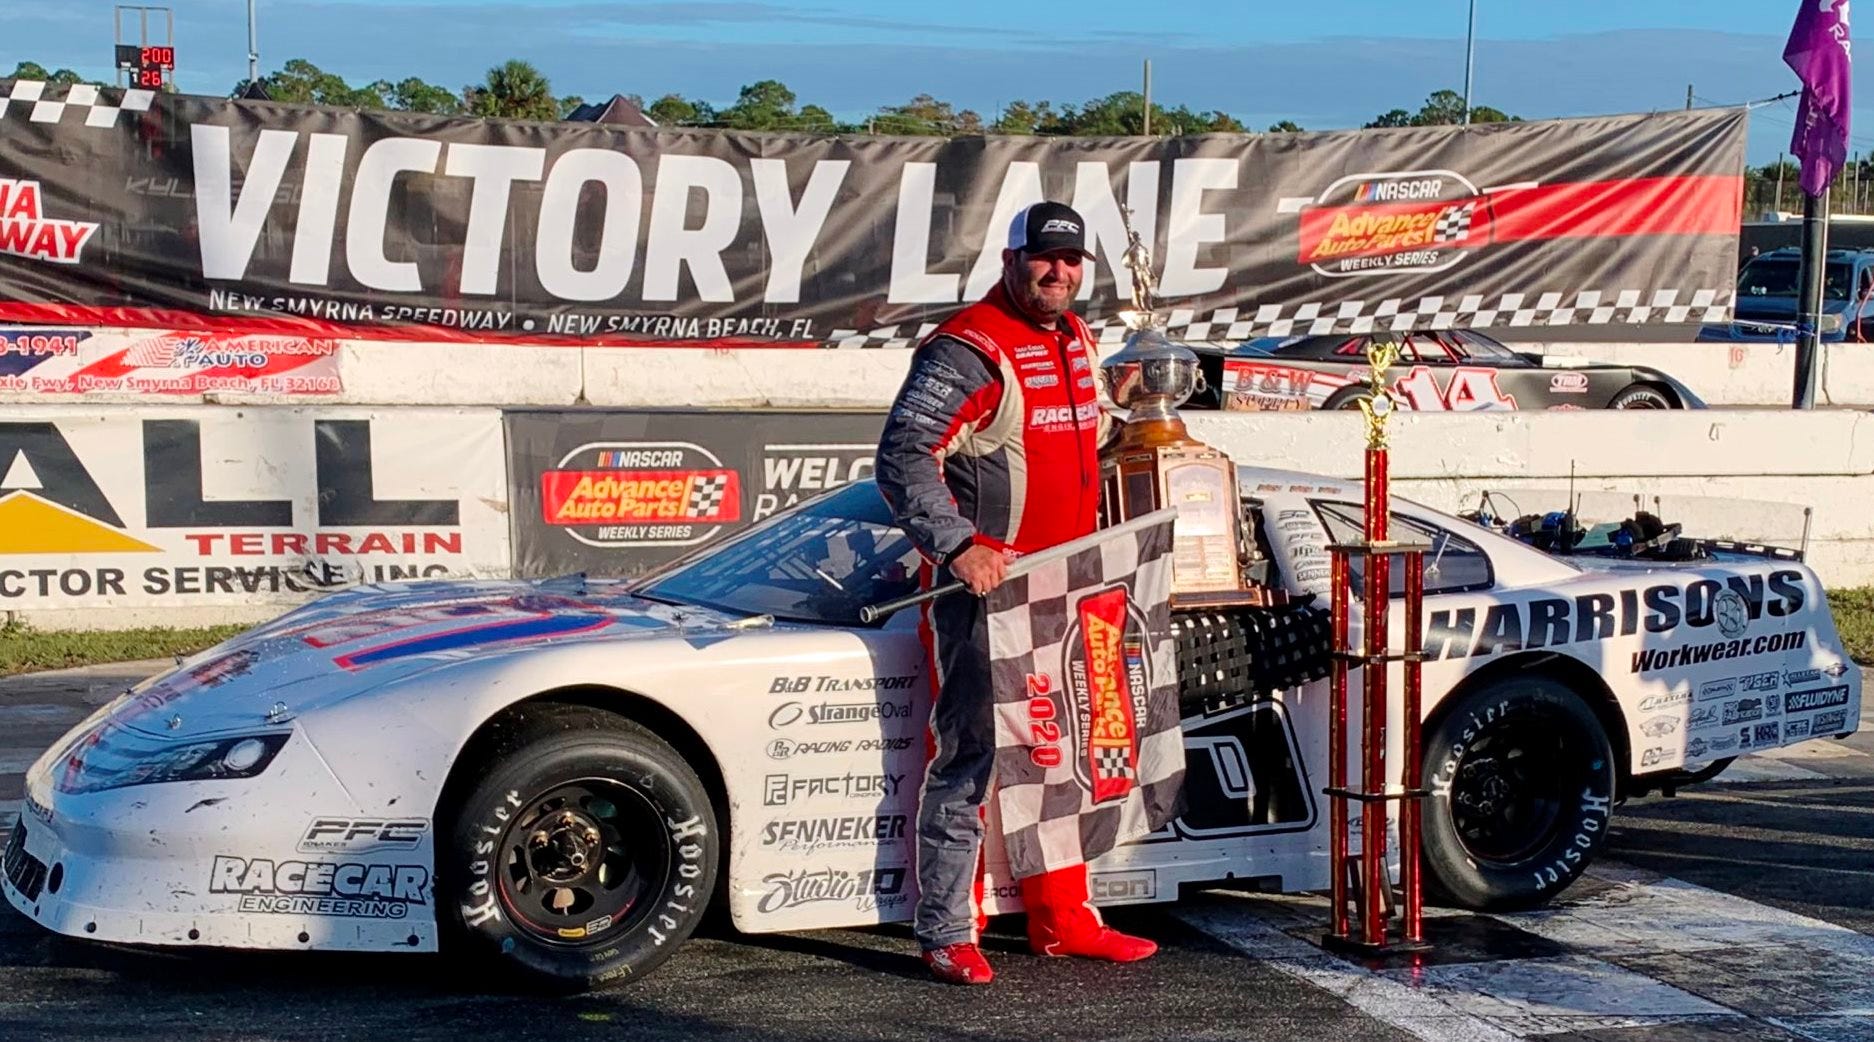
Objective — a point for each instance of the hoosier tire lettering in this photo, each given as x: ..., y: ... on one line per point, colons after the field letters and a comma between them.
x: 1522, y: 779
x: 584, y: 851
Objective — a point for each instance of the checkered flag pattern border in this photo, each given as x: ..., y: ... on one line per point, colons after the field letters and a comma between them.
x: 706, y: 494
x: 1391, y: 314
x: 1048, y: 818
x: 81, y: 103
x: 1454, y: 223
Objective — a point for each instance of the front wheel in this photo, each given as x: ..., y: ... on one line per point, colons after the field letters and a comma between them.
x: 585, y: 855
x: 1642, y: 396
x: 1522, y: 778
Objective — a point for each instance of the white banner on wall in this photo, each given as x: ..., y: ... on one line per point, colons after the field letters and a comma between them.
x: 189, y: 506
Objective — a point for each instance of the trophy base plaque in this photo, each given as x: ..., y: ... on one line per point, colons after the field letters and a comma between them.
x: 1158, y: 465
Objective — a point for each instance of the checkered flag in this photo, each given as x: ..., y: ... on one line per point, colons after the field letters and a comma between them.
x: 1089, y: 754
x: 706, y: 494
x: 1454, y: 222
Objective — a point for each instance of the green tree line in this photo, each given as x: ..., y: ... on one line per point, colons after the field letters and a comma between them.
x: 518, y: 90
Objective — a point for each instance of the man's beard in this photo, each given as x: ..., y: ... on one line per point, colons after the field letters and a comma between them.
x: 1040, y: 304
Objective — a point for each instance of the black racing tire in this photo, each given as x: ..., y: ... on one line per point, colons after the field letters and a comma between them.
x: 1644, y: 396
x: 1522, y: 777
x: 574, y: 796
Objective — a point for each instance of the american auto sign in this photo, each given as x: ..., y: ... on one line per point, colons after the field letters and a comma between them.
x: 270, y: 218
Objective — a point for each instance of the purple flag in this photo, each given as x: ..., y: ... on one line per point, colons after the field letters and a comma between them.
x: 1818, y: 51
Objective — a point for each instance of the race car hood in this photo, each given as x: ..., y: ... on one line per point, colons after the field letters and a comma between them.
x: 359, y: 640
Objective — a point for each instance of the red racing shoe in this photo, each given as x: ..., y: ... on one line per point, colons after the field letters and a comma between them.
x: 1062, y: 920
x: 961, y: 963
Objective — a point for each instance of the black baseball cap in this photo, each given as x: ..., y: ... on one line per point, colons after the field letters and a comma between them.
x: 1045, y: 227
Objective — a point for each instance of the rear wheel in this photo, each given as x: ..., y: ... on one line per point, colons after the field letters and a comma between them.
x: 1643, y: 396
x: 585, y: 855
x: 1522, y: 778
x: 1347, y: 398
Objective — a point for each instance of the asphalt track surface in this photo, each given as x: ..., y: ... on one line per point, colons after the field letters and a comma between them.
x: 1737, y: 910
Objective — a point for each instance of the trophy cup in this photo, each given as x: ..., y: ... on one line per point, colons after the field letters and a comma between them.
x: 1156, y: 463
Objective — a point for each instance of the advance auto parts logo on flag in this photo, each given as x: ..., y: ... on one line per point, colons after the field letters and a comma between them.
x: 1107, y: 683
x: 1386, y: 223
x: 641, y: 494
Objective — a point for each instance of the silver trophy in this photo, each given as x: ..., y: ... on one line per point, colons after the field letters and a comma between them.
x: 1152, y: 374
x: 1155, y: 463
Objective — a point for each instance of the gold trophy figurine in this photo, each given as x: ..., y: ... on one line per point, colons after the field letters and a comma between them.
x: 1377, y: 405
x: 1156, y: 463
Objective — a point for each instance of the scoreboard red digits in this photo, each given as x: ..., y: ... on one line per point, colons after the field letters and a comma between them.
x: 149, y: 67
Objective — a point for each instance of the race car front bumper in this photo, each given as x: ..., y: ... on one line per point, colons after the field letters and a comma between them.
x: 213, y: 863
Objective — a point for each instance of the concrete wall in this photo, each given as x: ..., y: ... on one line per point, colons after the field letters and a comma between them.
x: 391, y: 373
x: 1742, y: 474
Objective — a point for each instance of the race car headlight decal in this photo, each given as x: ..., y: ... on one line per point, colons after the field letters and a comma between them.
x: 115, y: 757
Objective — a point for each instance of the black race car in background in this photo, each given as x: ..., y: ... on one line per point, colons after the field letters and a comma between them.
x: 1438, y: 370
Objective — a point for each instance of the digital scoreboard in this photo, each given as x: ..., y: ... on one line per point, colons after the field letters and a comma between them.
x: 149, y: 67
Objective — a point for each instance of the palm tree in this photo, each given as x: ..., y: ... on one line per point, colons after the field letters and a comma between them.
x: 514, y: 90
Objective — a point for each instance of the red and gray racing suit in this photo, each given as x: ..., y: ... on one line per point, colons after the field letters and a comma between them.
x: 992, y: 441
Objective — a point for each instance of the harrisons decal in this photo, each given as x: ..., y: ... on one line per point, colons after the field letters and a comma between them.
x: 27, y: 231
x: 788, y: 714
x: 806, y: 835
x: 865, y: 889
x: 1820, y: 698
x: 350, y: 889
x: 608, y: 494
x: 779, y: 790
x: 1666, y: 609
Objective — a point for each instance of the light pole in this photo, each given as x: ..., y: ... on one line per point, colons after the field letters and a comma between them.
x: 253, y: 47
x: 1470, y: 52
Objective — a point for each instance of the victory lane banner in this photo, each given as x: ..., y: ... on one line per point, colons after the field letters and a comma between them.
x: 141, y: 209
x: 619, y: 492
x: 195, y: 506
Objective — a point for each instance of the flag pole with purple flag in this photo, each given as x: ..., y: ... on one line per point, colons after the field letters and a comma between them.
x: 1818, y: 50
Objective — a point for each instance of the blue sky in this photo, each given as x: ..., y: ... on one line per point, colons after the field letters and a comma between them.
x: 1327, y: 64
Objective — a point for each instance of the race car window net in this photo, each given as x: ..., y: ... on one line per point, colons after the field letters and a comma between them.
x: 820, y: 562
x: 1453, y: 565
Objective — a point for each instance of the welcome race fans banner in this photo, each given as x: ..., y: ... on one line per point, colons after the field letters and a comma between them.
x: 127, y: 208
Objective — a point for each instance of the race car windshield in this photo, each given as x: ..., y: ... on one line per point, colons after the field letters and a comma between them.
x: 820, y: 562
x: 1780, y: 278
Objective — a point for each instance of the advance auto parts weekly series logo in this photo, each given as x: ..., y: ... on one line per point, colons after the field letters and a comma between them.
x: 641, y: 494
x: 1385, y: 223
x: 1108, y: 681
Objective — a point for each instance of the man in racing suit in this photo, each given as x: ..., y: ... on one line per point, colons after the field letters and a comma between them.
x: 990, y: 451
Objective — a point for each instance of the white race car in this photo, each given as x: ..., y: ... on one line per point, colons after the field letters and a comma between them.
x: 560, y: 776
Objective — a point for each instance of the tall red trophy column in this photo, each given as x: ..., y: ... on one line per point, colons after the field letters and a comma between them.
x: 1363, y: 919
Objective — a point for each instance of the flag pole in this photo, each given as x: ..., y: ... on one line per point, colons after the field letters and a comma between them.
x: 1809, y: 303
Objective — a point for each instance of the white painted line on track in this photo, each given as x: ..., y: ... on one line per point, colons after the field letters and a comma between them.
x: 1422, y: 1013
